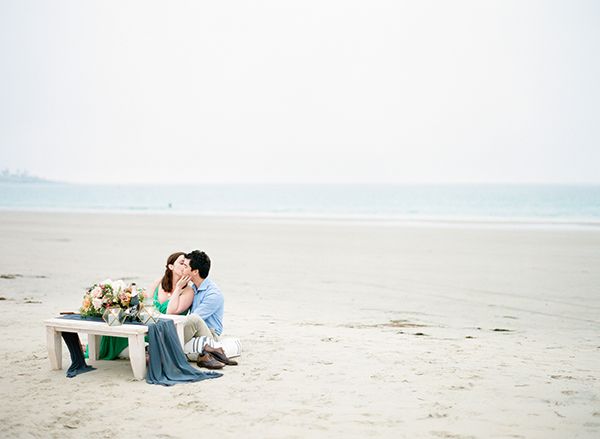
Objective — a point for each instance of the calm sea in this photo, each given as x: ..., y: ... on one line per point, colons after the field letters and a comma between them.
x: 533, y: 203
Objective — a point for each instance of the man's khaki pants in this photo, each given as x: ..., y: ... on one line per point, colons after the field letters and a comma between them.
x: 194, y: 326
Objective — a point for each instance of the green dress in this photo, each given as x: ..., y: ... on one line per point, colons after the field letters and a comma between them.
x: 111, y: 347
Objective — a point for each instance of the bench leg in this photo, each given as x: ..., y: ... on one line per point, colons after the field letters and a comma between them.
x: 93, y: 348
x: 54, y: 342
x: 137, y: 356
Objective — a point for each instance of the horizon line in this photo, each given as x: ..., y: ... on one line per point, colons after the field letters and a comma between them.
x: 42, y: 180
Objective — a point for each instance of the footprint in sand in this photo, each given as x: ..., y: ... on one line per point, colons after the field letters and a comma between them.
x: 71, y: 419
x: 562, y: 377
x: 437, y: 415
x: 193, y: 404
x: 459, y: 387
x: 447, y: 434
x: 309, y: 324
x: 330, y: 340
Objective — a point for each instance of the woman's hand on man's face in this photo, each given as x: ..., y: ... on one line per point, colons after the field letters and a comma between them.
x: 182, y: 283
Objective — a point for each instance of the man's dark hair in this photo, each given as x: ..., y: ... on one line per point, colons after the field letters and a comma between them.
x: 199, y: 261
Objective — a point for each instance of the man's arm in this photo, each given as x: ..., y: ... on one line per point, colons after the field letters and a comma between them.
x: 210, y: 305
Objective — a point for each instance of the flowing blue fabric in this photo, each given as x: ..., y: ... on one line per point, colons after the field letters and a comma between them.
x: 168, y: 364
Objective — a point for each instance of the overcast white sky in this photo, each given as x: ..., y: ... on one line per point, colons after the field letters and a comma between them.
x: 301, y: 91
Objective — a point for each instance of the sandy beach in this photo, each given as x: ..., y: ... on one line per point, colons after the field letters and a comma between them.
x: 349, y: 329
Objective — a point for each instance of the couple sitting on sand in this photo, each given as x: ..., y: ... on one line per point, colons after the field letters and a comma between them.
x: 185, y: 288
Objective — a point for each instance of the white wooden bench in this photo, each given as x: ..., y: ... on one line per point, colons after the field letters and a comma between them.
x: 134, y: 333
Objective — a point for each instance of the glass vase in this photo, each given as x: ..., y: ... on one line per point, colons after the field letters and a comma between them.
x: 148, y: 314
x: 114, y: 316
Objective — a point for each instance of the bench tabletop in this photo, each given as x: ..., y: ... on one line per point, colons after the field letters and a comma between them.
x: 100, y: 328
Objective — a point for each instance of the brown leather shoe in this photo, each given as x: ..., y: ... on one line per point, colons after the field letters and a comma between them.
x: 209, y: 362
x: 219, y: 355
x: 209, y: 348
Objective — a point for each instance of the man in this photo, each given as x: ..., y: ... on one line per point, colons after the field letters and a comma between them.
x: 208, y: 305
x: 208, y: 300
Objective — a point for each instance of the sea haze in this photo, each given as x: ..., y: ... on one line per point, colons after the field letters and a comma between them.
x: 502, y: 202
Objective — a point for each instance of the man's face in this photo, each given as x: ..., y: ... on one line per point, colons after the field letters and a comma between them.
x: 187, y: 270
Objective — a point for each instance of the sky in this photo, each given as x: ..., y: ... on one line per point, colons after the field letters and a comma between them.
x: 301, y: 91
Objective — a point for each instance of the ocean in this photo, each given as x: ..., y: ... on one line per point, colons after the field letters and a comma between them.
x: 568, y: 204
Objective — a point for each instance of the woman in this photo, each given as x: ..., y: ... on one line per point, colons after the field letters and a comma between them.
x: 170, y: 294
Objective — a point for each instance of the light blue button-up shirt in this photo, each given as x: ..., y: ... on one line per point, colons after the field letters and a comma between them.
x: 209, y: 304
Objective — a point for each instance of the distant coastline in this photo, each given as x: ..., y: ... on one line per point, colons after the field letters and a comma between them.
x: 20, y: 177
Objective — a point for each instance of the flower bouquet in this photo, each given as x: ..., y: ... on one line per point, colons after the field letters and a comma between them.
x: 112, y: 300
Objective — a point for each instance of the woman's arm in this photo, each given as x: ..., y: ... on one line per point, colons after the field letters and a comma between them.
x: 182, y: 297
x: 185, y: 301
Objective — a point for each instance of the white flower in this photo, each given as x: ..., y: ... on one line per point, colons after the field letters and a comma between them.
x: 106, y: 282
x: 118, y: 286
x: 97, y: 291
x: 97, y: 303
